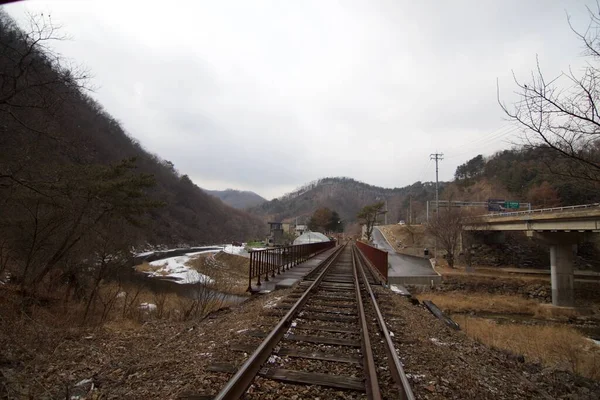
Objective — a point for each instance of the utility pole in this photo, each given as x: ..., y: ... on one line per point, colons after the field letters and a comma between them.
x: 386, y: 211
x: 410, y: 209
x: 437, y: 157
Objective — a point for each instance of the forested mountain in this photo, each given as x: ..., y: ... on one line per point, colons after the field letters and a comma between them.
x: 72, y: 182
x: 528, y: 175
x: 532, y: 175
x: 237, y: 198
x: 347, y: 196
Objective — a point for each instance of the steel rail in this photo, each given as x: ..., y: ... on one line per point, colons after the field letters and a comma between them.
x: 395, y: 365
x: 239, y: 383
x: 372, y: 384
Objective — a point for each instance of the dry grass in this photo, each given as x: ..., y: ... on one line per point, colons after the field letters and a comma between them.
x: 115, y: 307
x: 407, y: 239
x: 488, y: 272
x: 146, y: 267
x: 457, y: 302
x: 554, y: 346
x: 229, y: 271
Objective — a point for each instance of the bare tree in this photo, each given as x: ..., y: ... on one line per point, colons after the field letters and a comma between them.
x: 561, y: 113
x: 447, y: 229
x: 368, y: 216
x: 31, y: 68
x: 205, y: 297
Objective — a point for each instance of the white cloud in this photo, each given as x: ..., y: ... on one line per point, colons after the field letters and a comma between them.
x: 268, y: 95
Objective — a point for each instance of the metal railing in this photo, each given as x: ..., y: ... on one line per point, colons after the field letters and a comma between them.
x: 541, y: 210
x: 377, y: 258
x: 268, y: 262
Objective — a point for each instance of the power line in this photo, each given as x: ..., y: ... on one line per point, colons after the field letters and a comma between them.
x: 423, y: 174
x: 485, y: 142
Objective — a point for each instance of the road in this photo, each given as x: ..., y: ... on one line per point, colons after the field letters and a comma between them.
x: 402, y: 264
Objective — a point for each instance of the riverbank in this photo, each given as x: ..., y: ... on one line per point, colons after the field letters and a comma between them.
x: 513, y: 314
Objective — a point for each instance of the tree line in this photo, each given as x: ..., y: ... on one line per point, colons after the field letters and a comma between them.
x: 77, y: 193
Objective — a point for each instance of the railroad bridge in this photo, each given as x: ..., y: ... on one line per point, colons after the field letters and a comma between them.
x: 561, y: 228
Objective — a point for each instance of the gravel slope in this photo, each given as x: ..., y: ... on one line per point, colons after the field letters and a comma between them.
x: 168, y: 360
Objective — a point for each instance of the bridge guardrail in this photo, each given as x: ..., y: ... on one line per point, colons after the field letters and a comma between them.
x: 541, y: 210
x: 278, y: 259
x: 377, y: 258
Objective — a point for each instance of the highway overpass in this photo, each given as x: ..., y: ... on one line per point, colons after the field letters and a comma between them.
x: 560, y: 227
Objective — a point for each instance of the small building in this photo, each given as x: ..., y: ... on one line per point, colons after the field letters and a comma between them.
x: 300, y: 229
x: 277, y: 231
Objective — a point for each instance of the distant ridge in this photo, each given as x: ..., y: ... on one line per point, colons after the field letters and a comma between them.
x: 346, y: 196
x: 240, y: 199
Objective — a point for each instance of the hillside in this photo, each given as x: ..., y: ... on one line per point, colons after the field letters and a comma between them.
x: 526, y: 175
x: 69, y: 170
x: 533, y: 175
x: 239, y: 199
x: 347, y: 196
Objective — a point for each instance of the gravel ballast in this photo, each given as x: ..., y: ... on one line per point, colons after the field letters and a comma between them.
x: 169, y: 360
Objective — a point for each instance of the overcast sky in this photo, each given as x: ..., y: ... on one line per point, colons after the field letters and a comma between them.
x: 268, y: 95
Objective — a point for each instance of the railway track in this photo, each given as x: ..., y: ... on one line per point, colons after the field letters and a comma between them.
x: 332, y: 335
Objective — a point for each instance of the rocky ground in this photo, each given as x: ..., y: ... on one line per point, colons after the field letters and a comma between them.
x: 446, y: 364
x: 158, y: 359
x: 169, y: 360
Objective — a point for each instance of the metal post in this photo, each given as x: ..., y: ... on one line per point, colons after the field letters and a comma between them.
x: 278, y: 256
x: 264, y: 257
x: 437, y: 157
x: 256, y: 266
x: 273, y: 265
x: 294, y: 256
x: 250, y: 271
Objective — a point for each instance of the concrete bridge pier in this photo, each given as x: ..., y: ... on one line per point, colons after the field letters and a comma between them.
x: 561, y: 273
x: 560, y: 228
x: 561, y: 264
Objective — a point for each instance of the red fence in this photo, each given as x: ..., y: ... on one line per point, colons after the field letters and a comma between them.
x: 269, y: 261
x: 377, y: 258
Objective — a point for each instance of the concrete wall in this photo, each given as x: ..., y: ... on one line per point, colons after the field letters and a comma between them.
x: 413, y: 251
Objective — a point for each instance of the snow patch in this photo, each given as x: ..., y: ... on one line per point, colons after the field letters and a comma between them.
x: 439, y: 342
x: 147, y: 307
x: 596, y: 342
x: 176, y: 269
x: 236, y: 250
x: 144, y: 254
x: 395, y: 289
x: 415, y: 377
x: 83, y: 382
x: 272, y: 303
x: 274, y: 359
x: 195, y: 253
